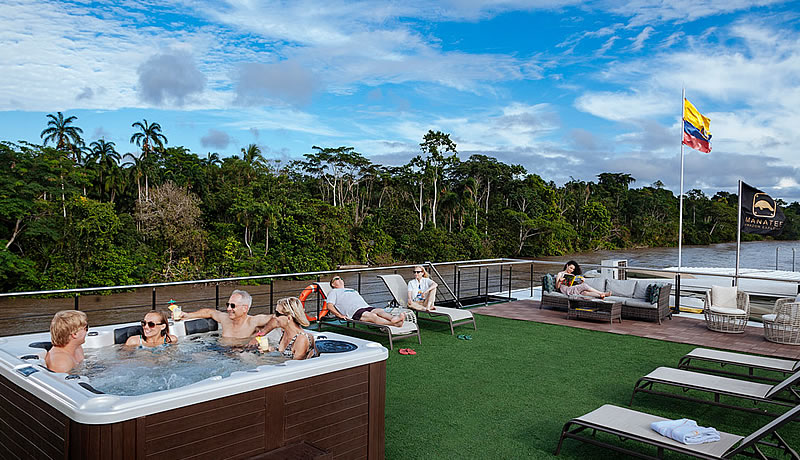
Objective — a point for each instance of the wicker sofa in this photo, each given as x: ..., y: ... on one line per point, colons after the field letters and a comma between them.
x: 632, y: 294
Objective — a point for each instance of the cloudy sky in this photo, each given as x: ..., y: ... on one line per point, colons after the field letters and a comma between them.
x: 566, y: 88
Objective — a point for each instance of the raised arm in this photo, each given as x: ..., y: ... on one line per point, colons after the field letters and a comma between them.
x: 268, y: 322
x: 204, y: 313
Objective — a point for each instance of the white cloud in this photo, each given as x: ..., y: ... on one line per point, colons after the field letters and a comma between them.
x: 638, y: 42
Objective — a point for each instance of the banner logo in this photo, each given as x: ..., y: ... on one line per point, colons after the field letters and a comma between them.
x: 763, y: 205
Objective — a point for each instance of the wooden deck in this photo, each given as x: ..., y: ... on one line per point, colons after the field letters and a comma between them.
x: 679, y: 329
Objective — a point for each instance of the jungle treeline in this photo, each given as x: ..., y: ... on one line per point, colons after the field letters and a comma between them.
x: 77, y: 215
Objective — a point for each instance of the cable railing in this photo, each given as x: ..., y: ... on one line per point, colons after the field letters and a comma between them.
x: 466, y: 283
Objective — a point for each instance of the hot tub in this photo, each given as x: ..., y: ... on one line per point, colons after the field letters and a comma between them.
x: 334, y: 402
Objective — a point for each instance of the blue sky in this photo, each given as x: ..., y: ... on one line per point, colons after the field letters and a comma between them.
x: 568, y: 89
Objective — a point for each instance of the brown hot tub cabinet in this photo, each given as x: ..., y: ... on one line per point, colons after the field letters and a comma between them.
x: 341, y: 412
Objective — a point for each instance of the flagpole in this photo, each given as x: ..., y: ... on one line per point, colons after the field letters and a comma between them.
x: 680, y: 213
x: 738, y: 236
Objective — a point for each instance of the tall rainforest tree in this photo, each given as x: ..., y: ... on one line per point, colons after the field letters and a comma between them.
x: 435, y: 161
x: 149, y: 138
x: 63, y: 134
x: 103, y: 155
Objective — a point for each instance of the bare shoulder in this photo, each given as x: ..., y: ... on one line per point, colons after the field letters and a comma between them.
x: 132, y: 341
x: 173, y: 338
x: 260, y: 320
x: 59, y: 361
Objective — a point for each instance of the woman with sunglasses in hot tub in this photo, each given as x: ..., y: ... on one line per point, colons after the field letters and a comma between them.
x: 155, y: 332
x: 295, y: 343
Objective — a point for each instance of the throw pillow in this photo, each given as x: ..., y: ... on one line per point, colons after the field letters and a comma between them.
x: 548, y: 283
x: 655, y: 292
x: 640, y: 291
x: 723, y: 296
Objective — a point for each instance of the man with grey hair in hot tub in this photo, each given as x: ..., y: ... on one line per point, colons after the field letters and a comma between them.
x: 235, y: 322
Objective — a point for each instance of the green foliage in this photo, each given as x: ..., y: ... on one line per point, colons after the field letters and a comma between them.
x: 169, y: 214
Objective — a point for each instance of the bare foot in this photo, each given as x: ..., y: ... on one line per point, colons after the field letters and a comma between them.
x: 398, y: 321
x: 431, y: 308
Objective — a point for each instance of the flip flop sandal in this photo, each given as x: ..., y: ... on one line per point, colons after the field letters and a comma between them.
x: 410, y: 351
x: 465, y: 337
x: 403, y: 351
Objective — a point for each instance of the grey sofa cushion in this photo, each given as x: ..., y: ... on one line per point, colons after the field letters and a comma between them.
x: 639, y: 303
x: 640, y: 292
x: 622, y: 288
x: 597, y: 283
x: 554, y: 294
x: 616, y: 298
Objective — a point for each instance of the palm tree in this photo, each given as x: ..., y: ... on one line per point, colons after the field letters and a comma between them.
x: 107, y: 160
x: 149, y: 136
x: 136, y: 168
x: 59, y: 131
x: 254, y: 161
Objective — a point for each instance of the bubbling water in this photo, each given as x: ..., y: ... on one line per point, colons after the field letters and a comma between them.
x: 128, y: 371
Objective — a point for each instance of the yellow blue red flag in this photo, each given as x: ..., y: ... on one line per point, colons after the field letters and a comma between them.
x: 696, y: 128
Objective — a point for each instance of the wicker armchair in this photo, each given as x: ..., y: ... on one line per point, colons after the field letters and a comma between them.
x: 783, y: 325
x: 726, y: 318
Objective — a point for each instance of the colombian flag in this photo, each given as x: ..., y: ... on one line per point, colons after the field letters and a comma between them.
x: 696, y: 128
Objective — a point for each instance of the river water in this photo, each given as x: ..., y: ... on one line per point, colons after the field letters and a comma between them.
x: 754, y: 254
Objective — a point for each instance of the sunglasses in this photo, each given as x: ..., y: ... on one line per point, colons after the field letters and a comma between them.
x: 418, y: 271
x: 281, y: 313
x: 150, y: 324
x: 336, y: 278
x: 232, y: 306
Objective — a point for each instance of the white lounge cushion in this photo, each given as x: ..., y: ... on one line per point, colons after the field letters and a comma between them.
x: 722, y: 296
x: 455, y: 314
x: 407, y: 328
x: 727, y: 311
x: 769, y: 317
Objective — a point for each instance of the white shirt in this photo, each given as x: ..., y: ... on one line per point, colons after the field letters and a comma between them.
x: 416, y: 288
x: 346, y: 301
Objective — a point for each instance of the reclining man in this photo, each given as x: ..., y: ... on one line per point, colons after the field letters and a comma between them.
x: 235, y: 323
x: 348, y: 303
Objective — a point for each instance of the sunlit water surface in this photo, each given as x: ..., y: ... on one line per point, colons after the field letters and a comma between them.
x: 128, y: 371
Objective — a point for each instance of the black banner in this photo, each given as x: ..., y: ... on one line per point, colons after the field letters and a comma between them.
x: 760, y: 214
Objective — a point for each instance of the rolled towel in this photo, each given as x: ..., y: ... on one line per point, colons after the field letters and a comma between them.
x: 685, y: 431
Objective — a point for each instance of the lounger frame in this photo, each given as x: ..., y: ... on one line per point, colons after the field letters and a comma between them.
x: 728, y: 359
x: 370, y: 328
x: 749, y: 446
x: 645, y: 385
x: 430, y: 316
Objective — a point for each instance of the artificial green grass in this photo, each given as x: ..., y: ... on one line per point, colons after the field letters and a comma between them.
x: 507, y: 392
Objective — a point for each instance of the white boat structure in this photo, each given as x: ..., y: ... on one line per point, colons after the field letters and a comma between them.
x: 767, y: 283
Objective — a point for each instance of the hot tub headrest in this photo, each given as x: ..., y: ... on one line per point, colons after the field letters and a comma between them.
x: 44, y: 345
x: 197, y: 326
x: 121, y: 335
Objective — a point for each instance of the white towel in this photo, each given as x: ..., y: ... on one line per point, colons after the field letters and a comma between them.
x: 685, y: 431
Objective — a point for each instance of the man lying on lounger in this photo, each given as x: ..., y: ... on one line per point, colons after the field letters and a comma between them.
x: 235, y: 323
x: 348, y: 303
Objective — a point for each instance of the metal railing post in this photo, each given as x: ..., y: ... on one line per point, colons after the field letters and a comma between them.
x: 458, y: 285
x: 479, y: 282
x: 154, y: 299
x: 500, y: 284
x: 359, y: 281
x: 271, y: 298
x: 531, y: 279
x: 216, y: 295
x: 486, y: 301
x: 677, y: 294
x: 77, y: 307
x: 792, y: 259
x: 509, y: 280
x: 776, y: 258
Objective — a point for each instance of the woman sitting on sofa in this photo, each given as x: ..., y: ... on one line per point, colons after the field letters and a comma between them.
x: 572, y: 268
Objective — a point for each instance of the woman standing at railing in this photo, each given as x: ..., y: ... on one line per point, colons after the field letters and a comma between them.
x: 421, y: 290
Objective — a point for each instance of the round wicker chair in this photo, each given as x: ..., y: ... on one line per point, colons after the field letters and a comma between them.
x: 727, y: 319
x: 783, y: 325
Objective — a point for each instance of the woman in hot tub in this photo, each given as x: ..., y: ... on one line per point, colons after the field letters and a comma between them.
x: 290, y: 316
x: 155, y: 328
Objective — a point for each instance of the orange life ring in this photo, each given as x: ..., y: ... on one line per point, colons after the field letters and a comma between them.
x: 307, y: 292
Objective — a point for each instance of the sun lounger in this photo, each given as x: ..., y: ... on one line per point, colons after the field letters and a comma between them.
x: 409, y: 329
x: 750, y: 362
x: 450, y: 316
x: 633, y: 425
x: 782, y: 393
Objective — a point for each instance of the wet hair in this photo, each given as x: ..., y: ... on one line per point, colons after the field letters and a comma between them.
x: 424, y: 272
x: 244, y: 295
x: 295, y: 308
x: 577, y: 270
x: 162, y: 319
x: 64, y: 324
